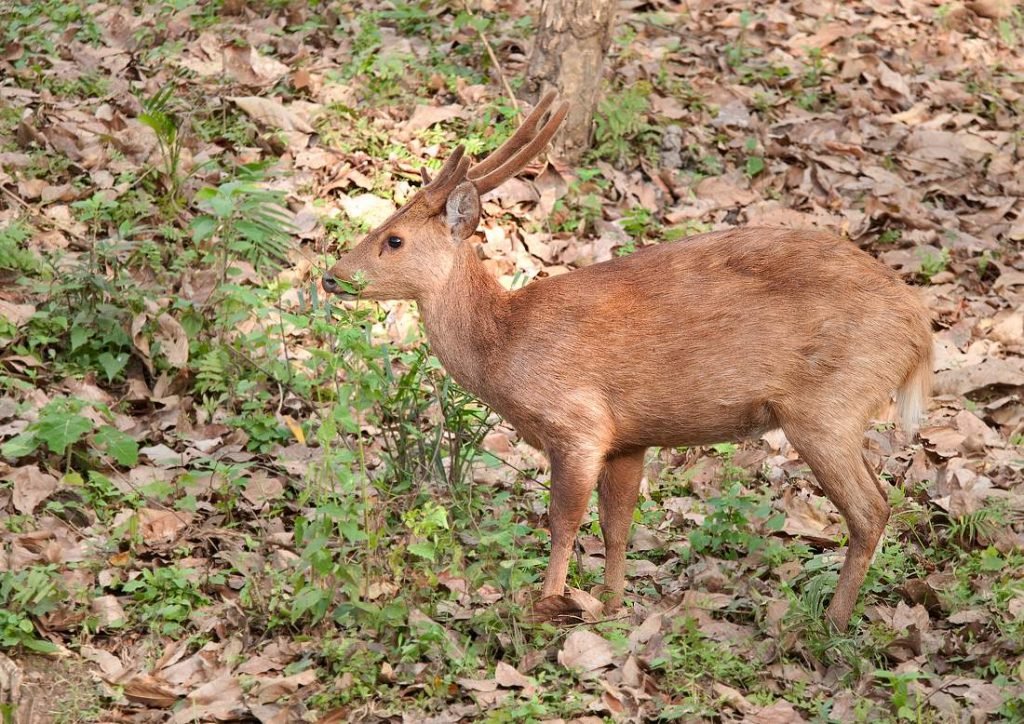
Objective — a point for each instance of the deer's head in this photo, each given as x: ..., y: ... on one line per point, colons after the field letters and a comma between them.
x: 410, y: 255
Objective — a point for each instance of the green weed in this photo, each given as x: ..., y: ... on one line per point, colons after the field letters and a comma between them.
x: 621, y: 129
x: 26, y: 594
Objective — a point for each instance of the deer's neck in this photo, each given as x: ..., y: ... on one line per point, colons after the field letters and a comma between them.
x: 465, y: 321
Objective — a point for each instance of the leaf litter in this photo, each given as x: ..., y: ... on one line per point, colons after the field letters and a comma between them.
x: 898, y: 125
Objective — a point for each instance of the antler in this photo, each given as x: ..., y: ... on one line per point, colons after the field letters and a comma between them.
x: 500, y: 165
x: 453, y: 172
x: 517, y: 151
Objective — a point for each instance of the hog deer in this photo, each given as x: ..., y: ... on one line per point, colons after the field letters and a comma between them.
x: 718, y: 337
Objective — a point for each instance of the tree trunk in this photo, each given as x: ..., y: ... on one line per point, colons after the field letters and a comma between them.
x: 568, y: 54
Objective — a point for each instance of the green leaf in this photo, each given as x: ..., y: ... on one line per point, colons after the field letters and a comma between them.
x: 221, y: 205
x: 119, y: 445
x: 79, y: 336
x: 20, y: 446
x: 755, y: 165
x: 112, y: 365
x: 203, y: 228
x: 42, y: 647
x: 422, y: 549
x: 62, y: 429
x: 776, y: 522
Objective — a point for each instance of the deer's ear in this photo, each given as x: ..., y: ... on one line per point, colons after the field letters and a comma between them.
x: 462, y: 210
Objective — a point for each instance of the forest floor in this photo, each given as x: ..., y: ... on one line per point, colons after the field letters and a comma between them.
x: 226, y: 497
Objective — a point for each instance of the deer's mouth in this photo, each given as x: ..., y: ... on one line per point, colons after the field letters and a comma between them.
x: 340, y: 287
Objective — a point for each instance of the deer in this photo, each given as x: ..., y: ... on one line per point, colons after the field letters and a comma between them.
x: 721, y: 336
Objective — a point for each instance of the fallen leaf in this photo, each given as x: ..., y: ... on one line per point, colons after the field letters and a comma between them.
x: 779, y: 712
x: 733, y: 698
x: 273, y: 688
x: 31, y: 487
x: 990, y: 371
x: 424, y: 117
x: 108, y: 611
x: 16, y: 314
x: 161, y: 525
x: 261, y: 488
x: 478, y: 684
x: 586, y: 651
x: 507, y: 676
x: 173, y: 340
x: 251, y: 67
x: 272, y: 113
x: 992, y: 9
x: 367, y: 209
x: 148, y: 691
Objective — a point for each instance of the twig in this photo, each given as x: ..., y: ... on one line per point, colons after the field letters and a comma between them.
x: 494, y: 59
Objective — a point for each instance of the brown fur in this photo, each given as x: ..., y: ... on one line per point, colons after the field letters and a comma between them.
x: 718, y: 337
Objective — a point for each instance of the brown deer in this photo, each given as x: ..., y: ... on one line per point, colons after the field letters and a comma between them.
x: 715, y: 338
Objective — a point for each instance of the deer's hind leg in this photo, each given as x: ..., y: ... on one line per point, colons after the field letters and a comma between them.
x: 618, y: 487
x: 835, y: 457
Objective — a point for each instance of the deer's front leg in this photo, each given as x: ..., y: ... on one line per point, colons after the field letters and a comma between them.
x: 573, y: 477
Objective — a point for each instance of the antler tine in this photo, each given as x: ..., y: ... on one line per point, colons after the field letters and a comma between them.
x: 518, y: 139
x: 506, y: 170
x: 449, y: 166
x: 451, y: 175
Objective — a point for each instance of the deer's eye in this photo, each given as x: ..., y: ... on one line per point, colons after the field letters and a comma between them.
x: 394, y: 242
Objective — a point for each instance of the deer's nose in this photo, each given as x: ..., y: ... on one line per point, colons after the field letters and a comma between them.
x: 330, y: 284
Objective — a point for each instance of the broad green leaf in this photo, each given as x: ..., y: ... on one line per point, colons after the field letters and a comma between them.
x: 422, y: 549
x: 119, y: 445
x: 221, y: 205
x: 20, y: 446
x: 62, y: 429
x: 40, y: 646
x: 79, y: 336
x: 112, y: 365
x: 202, y: 228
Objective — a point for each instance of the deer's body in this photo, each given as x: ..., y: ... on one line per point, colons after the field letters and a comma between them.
x: 689, y: 343
x: 710, y: 339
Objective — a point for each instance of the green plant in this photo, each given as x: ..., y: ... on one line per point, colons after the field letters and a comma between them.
x: 737, y: 52
x: 37, y: 25
x: 690, y: 660
x: 971, y: 528
x: 25, y: 594
x: 157, y: 114
x: 490, y: 127
x: 890, y: 236
x: 905, y: 706
x: 639, y: 222
x: 933, y: 263
x: 83, y: 323
x: 815, y: 69
x: 61, y: 425
x: 167, y: 596
x: 755, y: 163
x: 685, y: 229
x: 242, y: 220
x: 466, y: 423
x: 729, y: 528
x: 429, y: 528
x: 621, y: 129
x: 581, y: 207
x: 13, y: 256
